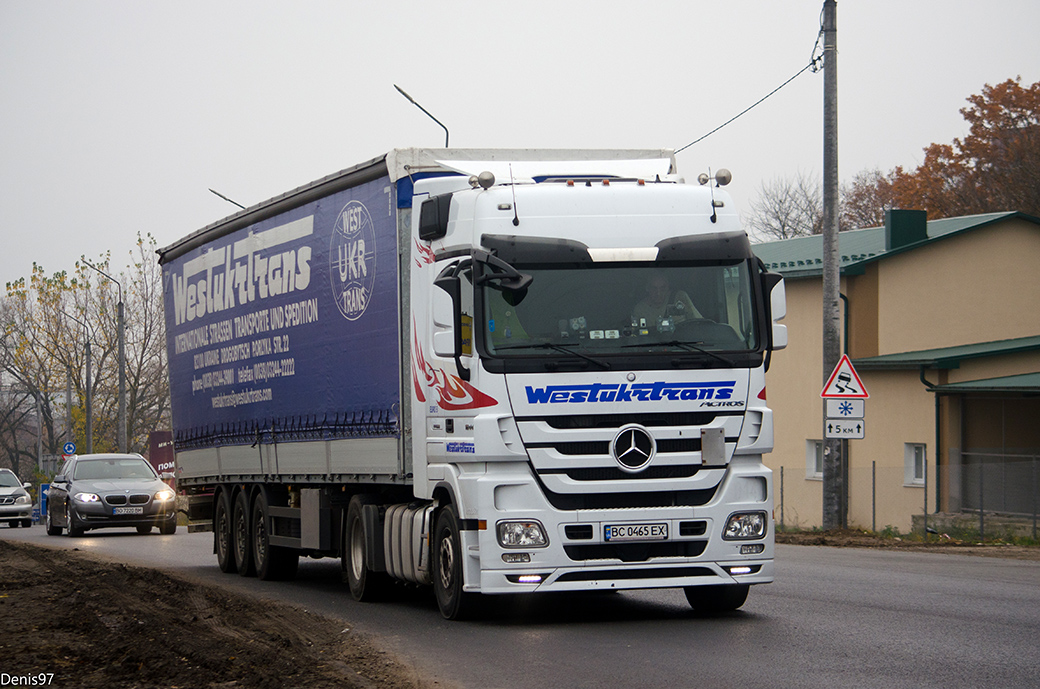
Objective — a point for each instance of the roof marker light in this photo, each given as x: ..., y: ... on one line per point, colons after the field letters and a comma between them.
x: 606, y: 182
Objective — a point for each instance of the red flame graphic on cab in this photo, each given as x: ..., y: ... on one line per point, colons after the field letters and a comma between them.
x: 426, y: 255
x: 453, y: 392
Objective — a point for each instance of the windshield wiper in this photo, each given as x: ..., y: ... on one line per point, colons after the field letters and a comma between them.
x: 688, y: 346
x: 559, y: 348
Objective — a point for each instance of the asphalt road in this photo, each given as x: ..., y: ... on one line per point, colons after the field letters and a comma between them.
x: 834, y: 618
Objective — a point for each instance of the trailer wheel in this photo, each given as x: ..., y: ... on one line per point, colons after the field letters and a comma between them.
x: 240, y: 539
x: 273, y: 563
x: 454, y: 603
x: 365, y: 584
x: 222, y: 533
x: 714, y: 599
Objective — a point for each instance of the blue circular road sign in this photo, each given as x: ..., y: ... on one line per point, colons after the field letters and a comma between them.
x: 69, y: 448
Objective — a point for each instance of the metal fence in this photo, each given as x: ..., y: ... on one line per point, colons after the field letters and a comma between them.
x: 987, y: 494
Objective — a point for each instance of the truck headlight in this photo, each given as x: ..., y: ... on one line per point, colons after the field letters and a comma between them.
x: 522, y: 534
x: 85, y: 497
x: 745, y: 526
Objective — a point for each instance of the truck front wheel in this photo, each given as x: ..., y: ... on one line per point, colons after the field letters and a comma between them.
x: 715, y: 599
x: 454, y: 603
x: 365, y: 584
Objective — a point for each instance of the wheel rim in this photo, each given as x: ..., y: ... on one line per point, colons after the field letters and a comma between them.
x: 261, y: 539
x: 241, y: 545
x: 357, y: 551
x: 446, y: 554
x: 223, y: 532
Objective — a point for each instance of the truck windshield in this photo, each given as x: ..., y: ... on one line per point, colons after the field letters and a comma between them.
x: 591, y: 310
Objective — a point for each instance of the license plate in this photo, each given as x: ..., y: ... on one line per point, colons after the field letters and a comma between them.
x: 127, y: 510
x: 636, y: 532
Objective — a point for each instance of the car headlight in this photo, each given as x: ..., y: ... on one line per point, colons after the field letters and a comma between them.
x: 23, y: 500
x: 745, y: 526
x: 522, y: 534
x: 164, y: 495
x: 85, y: 497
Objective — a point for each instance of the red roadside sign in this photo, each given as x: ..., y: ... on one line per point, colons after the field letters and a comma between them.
x: 844, y: 382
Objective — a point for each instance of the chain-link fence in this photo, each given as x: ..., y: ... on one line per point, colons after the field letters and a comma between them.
x: 985, y: 495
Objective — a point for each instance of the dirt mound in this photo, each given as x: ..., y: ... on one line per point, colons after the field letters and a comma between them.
x: 97, y: 624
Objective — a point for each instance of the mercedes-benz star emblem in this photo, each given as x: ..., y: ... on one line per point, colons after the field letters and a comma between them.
x: 633, y: 448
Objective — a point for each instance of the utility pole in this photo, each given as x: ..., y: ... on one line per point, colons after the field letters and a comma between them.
x: 833, y: 474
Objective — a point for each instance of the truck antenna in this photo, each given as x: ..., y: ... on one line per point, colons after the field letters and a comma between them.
x: 512, y: 184
x: 227, y: 199
x: 412, y: 101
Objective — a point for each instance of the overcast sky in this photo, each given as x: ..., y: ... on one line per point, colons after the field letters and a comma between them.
x: 118, y: 116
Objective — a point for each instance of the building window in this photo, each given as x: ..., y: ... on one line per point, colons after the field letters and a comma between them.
x: 814, y: 459
x: 914, y: 459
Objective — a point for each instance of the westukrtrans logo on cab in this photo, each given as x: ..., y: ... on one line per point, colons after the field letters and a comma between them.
x: 636, y: 392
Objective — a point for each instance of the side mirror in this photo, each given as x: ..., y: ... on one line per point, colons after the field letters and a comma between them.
x: 778, y: 309
x: 27, y: 485
x: 60, y: 478
x: 167, y: 476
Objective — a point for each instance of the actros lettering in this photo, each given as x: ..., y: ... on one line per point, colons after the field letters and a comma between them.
x: 639, y: 392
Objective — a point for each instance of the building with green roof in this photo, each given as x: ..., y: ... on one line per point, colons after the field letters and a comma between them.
x: 942, y: 324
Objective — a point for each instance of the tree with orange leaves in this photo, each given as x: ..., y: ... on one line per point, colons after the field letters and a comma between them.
x: 996, y: 167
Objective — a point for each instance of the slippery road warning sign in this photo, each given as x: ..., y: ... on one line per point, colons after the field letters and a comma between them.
x: 844, y: 382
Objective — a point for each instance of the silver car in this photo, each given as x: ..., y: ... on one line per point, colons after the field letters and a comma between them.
x: 110, y: 490
x: 16, y: 505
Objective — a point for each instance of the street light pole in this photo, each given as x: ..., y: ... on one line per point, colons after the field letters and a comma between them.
x: 121, y: 431
x: 89, y: 428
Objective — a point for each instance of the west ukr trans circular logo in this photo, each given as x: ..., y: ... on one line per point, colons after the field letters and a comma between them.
x: 352, y: 260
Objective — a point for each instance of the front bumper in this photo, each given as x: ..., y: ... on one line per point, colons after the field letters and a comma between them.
x: 96, y: 515
x: 15, y: 512
x: 579, y: 557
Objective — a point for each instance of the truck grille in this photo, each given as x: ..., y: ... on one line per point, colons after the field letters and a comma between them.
x: 576, y: 465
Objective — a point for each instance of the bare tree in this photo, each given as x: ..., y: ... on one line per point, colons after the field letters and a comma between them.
x: 42, y: 352
x: 787, y: 207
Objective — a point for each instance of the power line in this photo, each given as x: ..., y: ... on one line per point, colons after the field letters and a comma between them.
x: 814, y: 61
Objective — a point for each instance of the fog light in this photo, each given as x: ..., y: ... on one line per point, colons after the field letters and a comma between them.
x: 516, y: 558
x: 530, y: 579
x: 521, y: 534
x: 745, y: 526
x: 739, y: 570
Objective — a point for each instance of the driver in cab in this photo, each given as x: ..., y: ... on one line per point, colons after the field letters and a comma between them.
x: 662, y: 302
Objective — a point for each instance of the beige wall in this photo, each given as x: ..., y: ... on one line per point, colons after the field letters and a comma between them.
x: 973, y: 287
x: 980, y: 286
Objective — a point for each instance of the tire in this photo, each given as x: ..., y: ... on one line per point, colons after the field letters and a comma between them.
x: 365, y: 584
x: 223, y: 534
x: 144, y: 529
x: 75, y: 528
x: 52, y: 530
x: 168, y: 527
x: 273, y: 563
x: 27, y: 523
x: 716, y: 599
x: 241, y: 541
x: 454, y: 603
